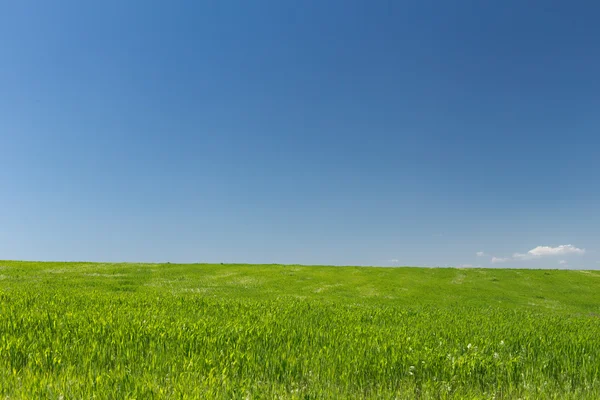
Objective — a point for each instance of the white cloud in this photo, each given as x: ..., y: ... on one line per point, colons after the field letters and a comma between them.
x: 480, y: 254
x: 394, y: 261
x: 545, y: 251
x: 562, y: 262
x: 541, y: 251
x: 496, y: 260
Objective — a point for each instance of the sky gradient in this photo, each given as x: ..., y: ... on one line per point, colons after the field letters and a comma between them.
x: 337, y: 132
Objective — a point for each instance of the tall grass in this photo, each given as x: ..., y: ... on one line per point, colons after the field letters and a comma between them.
x: 58, y: 341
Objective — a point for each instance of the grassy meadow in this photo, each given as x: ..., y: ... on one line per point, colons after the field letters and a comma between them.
x: 197, y: 331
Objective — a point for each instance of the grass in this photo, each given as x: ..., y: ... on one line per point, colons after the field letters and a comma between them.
x: 144, y: 331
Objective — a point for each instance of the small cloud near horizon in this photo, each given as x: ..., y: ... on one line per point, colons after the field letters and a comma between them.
x: 542, y: 251
x: 393, y: 261
x: 562, y: 262
x: 480, y: 254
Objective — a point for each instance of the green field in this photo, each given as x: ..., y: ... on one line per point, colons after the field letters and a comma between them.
x: 153, y: 331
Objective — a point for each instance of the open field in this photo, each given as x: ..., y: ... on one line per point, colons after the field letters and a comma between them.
x: 144, y: 331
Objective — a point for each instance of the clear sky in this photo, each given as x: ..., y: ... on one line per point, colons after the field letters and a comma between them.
x: 314, y: 132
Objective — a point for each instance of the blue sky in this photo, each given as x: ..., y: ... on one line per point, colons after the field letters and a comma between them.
x: 315, y: 132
